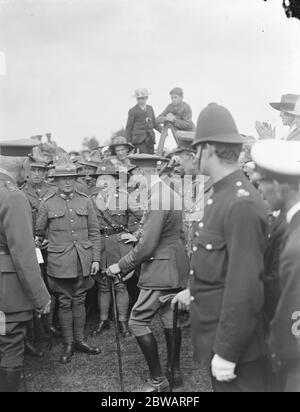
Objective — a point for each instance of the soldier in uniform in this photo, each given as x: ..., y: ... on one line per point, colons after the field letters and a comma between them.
x: 141, y: 124
x: 111, y: 210
x: 69, y: 219
x: 35, y: 191
x: 164, y: 271
x: 278, y: 164
x: 89, y: 168
x: 22, y: 288
x: 226, y: 291
x: 178, y: 112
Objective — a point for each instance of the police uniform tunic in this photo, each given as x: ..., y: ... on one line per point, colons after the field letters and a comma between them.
x: 227, y: 271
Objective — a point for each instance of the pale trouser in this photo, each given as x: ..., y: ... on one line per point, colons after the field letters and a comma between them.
x: 145, y: 309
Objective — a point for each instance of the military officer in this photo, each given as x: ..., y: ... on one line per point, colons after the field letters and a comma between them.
x: 278, y: 164
x: 164, y: 270
x: 22, y: 288
x: 113, y: 219
x: 70, y: 221
x: 226, y: 288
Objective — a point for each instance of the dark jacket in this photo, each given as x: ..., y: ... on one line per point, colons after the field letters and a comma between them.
x: 21, y: 286
x: 227, y: 277
x: 183, y: 113
x: 140, y: 125
x: 73, y: 233
x: 286, y: 323
x: 35, y: 197
x: 160, y: 249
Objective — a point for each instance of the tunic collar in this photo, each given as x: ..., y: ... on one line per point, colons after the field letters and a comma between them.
x: 230, y: 180
x: 292, y: 212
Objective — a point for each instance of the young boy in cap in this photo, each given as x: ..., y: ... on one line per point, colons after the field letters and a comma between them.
x: 178, y: 113
x: 160, y: 251
x: 278, y: 169
x: 22, y: 288
x: 141, y: 124
x: 225, y: 297
x: 69, y: 219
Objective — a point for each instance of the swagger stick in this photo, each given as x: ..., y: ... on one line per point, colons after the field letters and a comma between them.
x: 113, y: 290
x: 173, y: 354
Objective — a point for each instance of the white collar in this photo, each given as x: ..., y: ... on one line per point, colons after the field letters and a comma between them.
x: 292, y: 212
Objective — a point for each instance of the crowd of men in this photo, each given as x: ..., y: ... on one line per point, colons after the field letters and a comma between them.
x: 117, y: 221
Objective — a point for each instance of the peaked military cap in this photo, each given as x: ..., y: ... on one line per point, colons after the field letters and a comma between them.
x: 145, y: 160
x: 17, y: 148
x: 277, y: 160
x: 216, y: 124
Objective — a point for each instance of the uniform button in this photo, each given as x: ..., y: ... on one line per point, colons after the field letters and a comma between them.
x: 71, y: 210
x: 192, y: 272
x: 195, y: 248
x: 68, y: 200
x: 197, y: 234
x: 192, y: 299
x: 201, y: 224
x: 210, y: 202
x: 239, y: 184
x: 209, y: 246
x: 72, y: 231
x: 74, y: 242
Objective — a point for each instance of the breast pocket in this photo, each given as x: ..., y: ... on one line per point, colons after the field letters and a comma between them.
x: 57, y: 219
x: 210, y: 257
x: 82, y: 217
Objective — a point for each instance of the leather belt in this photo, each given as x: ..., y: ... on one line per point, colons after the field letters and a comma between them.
x: 109, y: 232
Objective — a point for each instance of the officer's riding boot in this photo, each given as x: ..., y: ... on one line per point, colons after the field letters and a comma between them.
x: 103, y: 325
x: 30, y: 348
x: 124, y: 329
x: 80, y: 344
x: 170, y: 341
x: 158, y: 382
x: 66, y: 324
x: 9, y: 380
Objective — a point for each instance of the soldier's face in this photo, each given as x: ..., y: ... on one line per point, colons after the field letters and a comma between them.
x: 66, y: 184
x: 121, y: 152
x: 37, y: 175
x: 188, y: 162
x: 88, y: 170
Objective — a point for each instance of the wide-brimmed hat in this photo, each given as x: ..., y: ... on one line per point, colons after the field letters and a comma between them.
x: 64, y: 167
x: 120, y: 141
x: 17, y: 147
x: 216, y: 125
x: 94, y: 160
x: 38, y: 162
x: 287, y: 103
x: 138, y: 93
x: 296, y: 109
x: 277, y: 160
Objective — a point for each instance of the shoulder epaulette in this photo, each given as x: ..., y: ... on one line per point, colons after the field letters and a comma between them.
x: 48, y: 196
x: 81, y: 193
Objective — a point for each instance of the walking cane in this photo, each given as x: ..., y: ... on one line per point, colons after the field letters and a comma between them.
x: 113, y: 291
x: 173, y: 354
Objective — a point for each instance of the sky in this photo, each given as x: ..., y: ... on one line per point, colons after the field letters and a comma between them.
x: 70, y: 67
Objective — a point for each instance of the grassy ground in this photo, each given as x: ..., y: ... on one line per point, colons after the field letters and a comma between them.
x: 100, y: 373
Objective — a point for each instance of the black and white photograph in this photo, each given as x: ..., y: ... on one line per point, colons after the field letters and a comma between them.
x: 149, y: 198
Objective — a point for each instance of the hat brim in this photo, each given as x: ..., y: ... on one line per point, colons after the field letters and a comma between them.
x: 68, y: 175
x: 112, y: 147
x: 297, y: 114
x: 283, y: 107
x: 229, y: 138
x: 87, y: 163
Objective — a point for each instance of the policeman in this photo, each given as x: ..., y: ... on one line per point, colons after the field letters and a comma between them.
x: 164, y: 271
x: 278, y: 164
x: 69, y: 219
x: 111, y: 210
x: 22, y: 288
x: 226, y: 293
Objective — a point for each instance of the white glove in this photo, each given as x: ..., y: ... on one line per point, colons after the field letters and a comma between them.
x: 222, y: 369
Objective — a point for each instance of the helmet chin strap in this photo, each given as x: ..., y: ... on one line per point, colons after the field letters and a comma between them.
x: 200, y: 157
